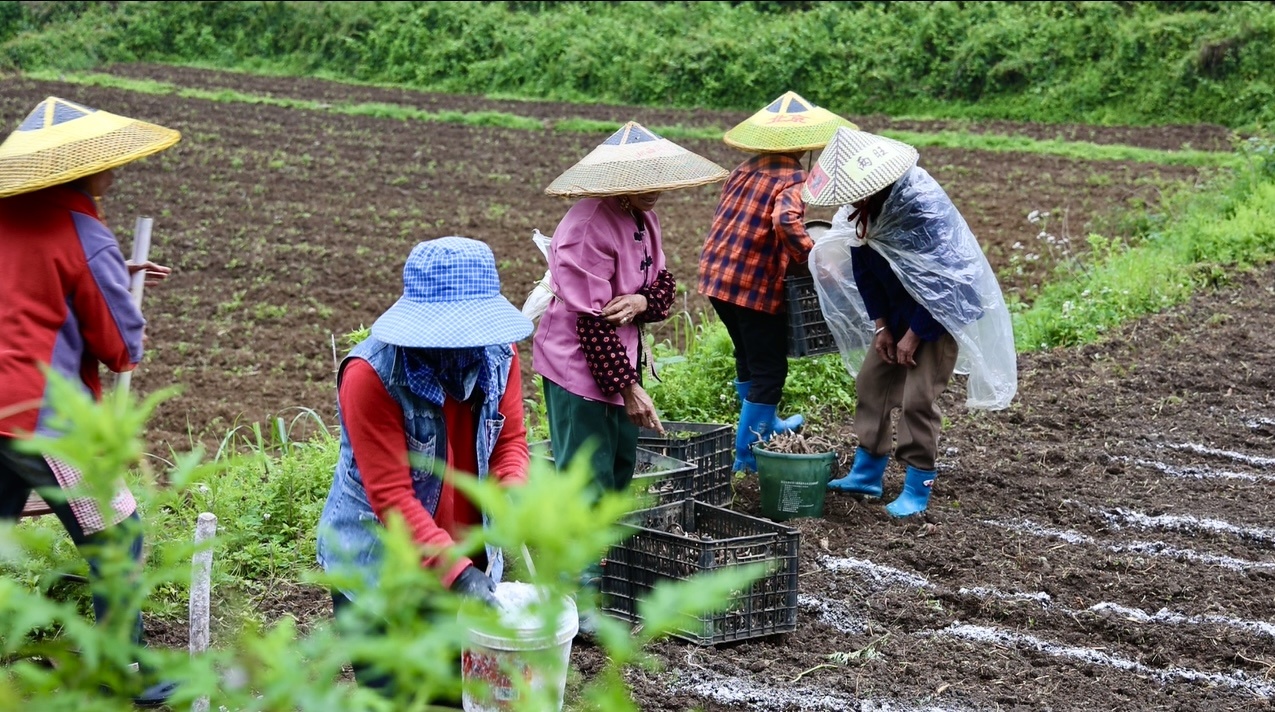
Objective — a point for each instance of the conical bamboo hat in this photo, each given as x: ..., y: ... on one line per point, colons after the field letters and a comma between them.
x: 855, y: 165
x: 787, y: 124
x: 635, y: 160
x: 61, y: 141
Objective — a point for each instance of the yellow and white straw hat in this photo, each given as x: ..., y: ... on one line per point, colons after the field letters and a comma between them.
x: 855, y: 165
x: 61, y: 141
x: 635, y: 160
x: 788, y: 124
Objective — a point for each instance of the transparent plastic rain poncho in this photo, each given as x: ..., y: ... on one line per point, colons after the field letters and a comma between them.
x: 939, y: 262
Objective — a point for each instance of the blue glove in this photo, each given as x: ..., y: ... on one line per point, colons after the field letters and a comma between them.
x: 475, y: 584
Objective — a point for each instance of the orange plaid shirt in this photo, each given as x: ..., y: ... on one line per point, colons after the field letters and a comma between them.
x: 757, y: 230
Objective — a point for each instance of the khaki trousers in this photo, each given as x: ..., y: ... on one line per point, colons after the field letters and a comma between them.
x: 882, y: 387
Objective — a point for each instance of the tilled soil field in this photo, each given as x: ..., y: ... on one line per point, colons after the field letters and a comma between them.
x: 1099, y: 545
x: 288, y: 228
x: 1102, y: 544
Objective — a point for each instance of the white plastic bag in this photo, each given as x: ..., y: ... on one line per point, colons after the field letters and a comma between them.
x: 538, y: 301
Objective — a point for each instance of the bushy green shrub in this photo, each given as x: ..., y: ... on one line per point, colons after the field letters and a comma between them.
x: 1098, y: 62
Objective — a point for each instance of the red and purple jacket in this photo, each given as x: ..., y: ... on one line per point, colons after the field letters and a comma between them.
x: 64, y: 302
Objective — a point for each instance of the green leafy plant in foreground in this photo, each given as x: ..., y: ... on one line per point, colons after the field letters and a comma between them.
x: 58, y: 660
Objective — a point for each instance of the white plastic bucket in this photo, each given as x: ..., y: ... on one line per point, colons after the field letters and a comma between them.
x: 490, y: 657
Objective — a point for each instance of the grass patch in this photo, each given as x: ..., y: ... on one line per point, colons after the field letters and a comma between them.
x: 1080, y: 150
x: 696, y: 379
x: 1199, y: 237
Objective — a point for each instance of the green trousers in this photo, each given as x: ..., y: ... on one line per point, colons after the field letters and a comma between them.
x: 575, y: 422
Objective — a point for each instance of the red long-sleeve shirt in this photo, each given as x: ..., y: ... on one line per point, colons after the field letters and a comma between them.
x: 374, y: 423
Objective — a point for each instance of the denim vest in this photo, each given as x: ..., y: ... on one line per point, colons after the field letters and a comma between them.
x: 347, y: 538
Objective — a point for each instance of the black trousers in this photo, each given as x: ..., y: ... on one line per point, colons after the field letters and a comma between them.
x: 761, y: 349
x: 22, y: 472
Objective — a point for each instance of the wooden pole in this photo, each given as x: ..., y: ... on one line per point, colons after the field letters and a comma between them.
x: 141, y: 252
x: 201, y: 592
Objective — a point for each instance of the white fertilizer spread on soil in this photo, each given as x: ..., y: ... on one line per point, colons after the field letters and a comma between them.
x: 1167, y: 617
x: 1229, y: 454
x: 1121, y: 517
x: 1144, y: 548
x: 1198, y: 472
x: 834, y: 614
x: 877, y: 573
x: 735, y: 690
x: 1040, y: 597
x: 843, y: 619
x: 1162, y: 616
x: 1020, y: 641
x: 1027, y: 526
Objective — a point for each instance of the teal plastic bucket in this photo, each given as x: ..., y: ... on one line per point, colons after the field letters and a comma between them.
x: 793, y: 484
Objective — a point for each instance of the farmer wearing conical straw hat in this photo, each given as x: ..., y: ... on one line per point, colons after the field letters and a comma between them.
x: 65, y: 304
x: 912, y: 300
x: 757, y: 231
x: 608, y: 279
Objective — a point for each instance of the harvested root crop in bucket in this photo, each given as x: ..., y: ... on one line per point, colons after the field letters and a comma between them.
x: 797, y: 444
x: 524, y: 653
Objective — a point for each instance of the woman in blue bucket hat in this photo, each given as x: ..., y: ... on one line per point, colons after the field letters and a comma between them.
x: 434, y: 394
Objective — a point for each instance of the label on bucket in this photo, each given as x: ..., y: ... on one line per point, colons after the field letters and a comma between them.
x: 489, y: 668
x: 792, y: 497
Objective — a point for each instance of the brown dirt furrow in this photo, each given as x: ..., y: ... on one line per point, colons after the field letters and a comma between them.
x: 1171, y: 138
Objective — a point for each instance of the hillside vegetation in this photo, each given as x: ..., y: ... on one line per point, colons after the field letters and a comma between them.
x: 1093, y: 62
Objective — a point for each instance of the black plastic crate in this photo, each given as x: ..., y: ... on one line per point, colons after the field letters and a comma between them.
x: 662, y: 478
x: 708, y: 446
x: 808, y: 332
x: 677, y: 541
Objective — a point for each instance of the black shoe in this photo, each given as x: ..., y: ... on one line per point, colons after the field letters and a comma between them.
x: 156, y: 695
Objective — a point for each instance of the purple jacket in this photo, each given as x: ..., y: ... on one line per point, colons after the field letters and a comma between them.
x: 594, y: 257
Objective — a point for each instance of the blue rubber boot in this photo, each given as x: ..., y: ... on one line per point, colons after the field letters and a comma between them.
x: 754, y: 425
x: 777, y: 424
x: 865, y: 475
x: 915, y: 496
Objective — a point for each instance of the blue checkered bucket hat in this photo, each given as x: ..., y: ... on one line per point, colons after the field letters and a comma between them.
x: 451, y: 300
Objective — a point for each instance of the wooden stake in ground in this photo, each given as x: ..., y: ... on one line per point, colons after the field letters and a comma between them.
x: 201, y: 592
x: 141, y: 252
